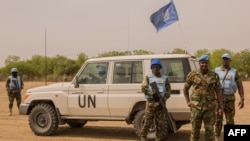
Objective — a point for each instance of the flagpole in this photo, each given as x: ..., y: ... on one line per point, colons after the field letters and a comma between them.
x: 128, y: 30
x: 183, y: 37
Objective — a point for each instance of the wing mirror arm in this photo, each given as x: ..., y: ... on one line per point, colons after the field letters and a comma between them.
x: 76, y: 83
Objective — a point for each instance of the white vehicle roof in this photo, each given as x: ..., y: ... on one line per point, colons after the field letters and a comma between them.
x: 135, y: 57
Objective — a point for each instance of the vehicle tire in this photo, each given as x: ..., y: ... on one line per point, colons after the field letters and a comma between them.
x: 43, y: 120
x: 138, y: 122
x: 77, y: 124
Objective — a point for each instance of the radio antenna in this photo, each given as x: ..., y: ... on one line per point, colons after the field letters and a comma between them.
x: 45, y: 59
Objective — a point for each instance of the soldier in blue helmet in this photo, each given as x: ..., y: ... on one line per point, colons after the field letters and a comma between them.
x: 206, y: 95
x: 230, y: 82
x: 153, y: 109
x: 102, y: 71
x: 14, y: 85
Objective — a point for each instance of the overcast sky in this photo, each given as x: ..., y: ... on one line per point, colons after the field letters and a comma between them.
x: 97, y: 26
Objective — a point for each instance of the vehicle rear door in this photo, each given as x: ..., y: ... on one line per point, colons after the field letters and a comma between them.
x: 125, y: 87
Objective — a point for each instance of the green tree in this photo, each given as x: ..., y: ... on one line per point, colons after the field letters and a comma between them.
x: 123, y: 53
x: 25, y: 70
x: 200, y: 52
x: 215, y: 57
x: 242, y: 63
x: 179, y: 51
x: 81, y: 58
x: 11, y: 59
x: 38, y: 62
x: 57, y: 67
x: 142, y: 52
x: 112, y: 53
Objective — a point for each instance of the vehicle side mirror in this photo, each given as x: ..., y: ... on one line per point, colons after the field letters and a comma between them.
x: 76, y: 83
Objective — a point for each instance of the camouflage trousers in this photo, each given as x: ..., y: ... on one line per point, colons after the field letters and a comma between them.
x: 153, y: 115
x: 208, y: 117
x: 229, y: 112
x: 12, y: 97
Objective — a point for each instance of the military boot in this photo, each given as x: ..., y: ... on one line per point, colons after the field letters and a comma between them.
x: 10, y: 112
x: 217, y: 138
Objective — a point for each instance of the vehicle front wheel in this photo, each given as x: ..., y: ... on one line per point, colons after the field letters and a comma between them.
x: 138, y: 122
x: 43, y: 120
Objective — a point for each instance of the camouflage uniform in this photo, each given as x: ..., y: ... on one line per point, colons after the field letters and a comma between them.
x: 154, y: 112
x: 229, y: 109
x: 203, y: 102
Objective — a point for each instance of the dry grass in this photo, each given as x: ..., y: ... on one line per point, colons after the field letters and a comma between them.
x: 16, y: 127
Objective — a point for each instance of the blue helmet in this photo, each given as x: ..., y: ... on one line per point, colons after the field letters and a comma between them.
x: 226, y: 55
x: 204, y: 58
x: 156, y: 62
x: 14, y: 70
x: 101, y: 69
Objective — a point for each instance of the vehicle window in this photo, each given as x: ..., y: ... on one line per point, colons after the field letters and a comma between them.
x: 128, y: 72
x: 94, y: 73
x: 175, y: 69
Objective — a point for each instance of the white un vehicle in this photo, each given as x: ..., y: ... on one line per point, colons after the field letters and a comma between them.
x: 107, y: 89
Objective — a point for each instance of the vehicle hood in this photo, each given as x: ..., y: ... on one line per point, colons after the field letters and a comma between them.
x: 52, y: 87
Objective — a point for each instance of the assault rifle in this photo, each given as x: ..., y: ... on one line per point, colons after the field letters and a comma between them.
x: 163, y: 105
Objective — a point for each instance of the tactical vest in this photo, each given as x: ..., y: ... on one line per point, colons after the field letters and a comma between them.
x: 229, y: 85
x: 160, y: 81
x: 15, y: 83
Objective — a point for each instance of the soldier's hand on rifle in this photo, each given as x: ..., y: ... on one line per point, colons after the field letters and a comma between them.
x: 156, y: 97
x: 167, y: 96
x: 189, y: 104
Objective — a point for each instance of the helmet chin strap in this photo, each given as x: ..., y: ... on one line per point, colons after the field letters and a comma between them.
x: 14, y: 74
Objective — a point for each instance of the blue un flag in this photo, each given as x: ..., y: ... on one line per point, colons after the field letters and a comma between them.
x: 164, y: 16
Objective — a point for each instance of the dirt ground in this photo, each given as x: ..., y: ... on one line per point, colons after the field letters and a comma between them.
x: 16, y: 127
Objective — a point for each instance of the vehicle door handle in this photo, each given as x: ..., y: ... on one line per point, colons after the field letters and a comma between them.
x: 139, y: 92
x: 77, y: 93
x: 100, y: 92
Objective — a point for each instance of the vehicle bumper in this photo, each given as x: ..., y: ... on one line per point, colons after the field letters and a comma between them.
x: 23, y: 109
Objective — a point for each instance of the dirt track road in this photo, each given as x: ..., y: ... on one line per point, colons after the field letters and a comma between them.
x: 16, y: 128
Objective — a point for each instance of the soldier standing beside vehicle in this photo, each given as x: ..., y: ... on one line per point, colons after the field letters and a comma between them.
x: 14, y: 85
x: 206, y: 89
x: 230, y: 81
x: 153, y: 109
